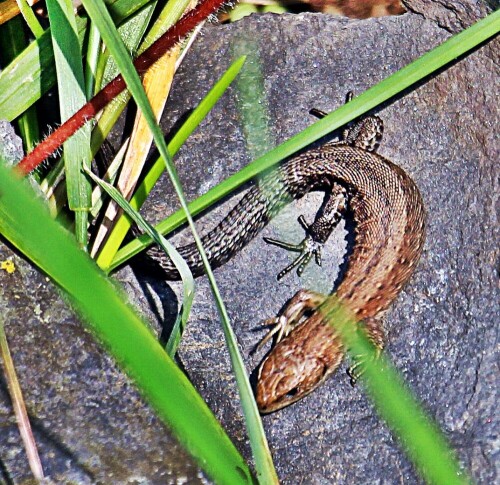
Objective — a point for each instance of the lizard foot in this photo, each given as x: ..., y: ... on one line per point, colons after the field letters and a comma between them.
x: 307, y: 249
x: 357, y: 369
x: 291, y: 315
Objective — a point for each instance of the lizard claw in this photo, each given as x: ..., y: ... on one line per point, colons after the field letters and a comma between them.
x: 357, y: 369
x: 280, y: 325
x: 307, y: 248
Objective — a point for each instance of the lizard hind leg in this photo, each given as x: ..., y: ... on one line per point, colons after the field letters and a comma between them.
x: 365, y: 133
x: 317, y: 233
x: 374, y: 331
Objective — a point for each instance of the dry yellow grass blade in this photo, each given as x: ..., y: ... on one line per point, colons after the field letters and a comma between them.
x: 9, y: 9
x: 157, y: 82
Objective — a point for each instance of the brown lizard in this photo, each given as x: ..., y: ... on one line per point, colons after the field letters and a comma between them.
x: 389, y: 218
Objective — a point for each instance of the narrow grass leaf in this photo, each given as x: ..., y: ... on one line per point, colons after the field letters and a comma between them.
x: 170, y: 251
x: 252, y: 106
x: 110, y: 177
x: 30, y: 18
x: 91, y: 60
x: 27, y: 225
x: 71, y: 86
x: 266, y: 473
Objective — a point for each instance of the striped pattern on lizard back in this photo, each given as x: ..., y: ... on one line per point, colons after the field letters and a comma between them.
x: 381, y: 197
x: 389, y: 218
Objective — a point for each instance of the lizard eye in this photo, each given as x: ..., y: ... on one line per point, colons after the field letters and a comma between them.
x: 292, y: 392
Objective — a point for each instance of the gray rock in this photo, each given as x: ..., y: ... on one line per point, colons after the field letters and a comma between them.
x: 441, y: 330
x: 11, y: 146
x: 93, y: 427
x: 450, y: 14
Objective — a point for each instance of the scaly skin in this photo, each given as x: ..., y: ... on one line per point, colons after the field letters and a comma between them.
x: 390, y: 230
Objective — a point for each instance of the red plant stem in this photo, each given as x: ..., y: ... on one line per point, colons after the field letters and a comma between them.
x: 88, y: 111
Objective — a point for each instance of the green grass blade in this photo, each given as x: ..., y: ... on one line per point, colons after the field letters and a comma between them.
x: 253, y: 110
x: 422, y: 440
x: 99, y: 15
x: 170, y: 14
x: 32, y: 73
x: 180, y: 264
x: 122, y: 226
x: 30, y: 18
x: 429, y: 63
x: 110, y: 177
x: 22, y: 82
x: 25, y: 222
x: 91, y: 60
x: 251, y: 100
x: 131, y: 31
x: 12, y: 42
x: 266, y: 473
x: 71, y: 84
x: 123, y: 9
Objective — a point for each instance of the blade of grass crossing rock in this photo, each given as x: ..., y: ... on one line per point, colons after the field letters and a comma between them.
x: 25, y: 222
x: 421, y: 439
x: 429, y: 63
x: 100, y: 16
x: 108, y: 253
x: 180, y: 264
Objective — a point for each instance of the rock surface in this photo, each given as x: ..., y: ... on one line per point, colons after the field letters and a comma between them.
x: 441, y: 332
x: 452, y: 15
x: 89, y: 423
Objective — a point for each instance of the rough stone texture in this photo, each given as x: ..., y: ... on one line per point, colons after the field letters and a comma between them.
x: 11, y: 148
x: 441, y: 331
x: 450, y: 14
x: 89, y: 422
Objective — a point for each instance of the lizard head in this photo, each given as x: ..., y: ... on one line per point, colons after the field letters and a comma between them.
x: 293, y: 369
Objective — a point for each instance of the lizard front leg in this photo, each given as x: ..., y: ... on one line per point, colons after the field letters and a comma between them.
x: 302, y: 302
x: 373, y: 327
x: 317, y: 233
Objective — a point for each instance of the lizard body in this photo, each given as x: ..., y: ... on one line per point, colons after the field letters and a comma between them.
x: 389, y: 219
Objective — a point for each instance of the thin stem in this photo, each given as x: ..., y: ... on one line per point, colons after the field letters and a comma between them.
x: 22, y: 418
